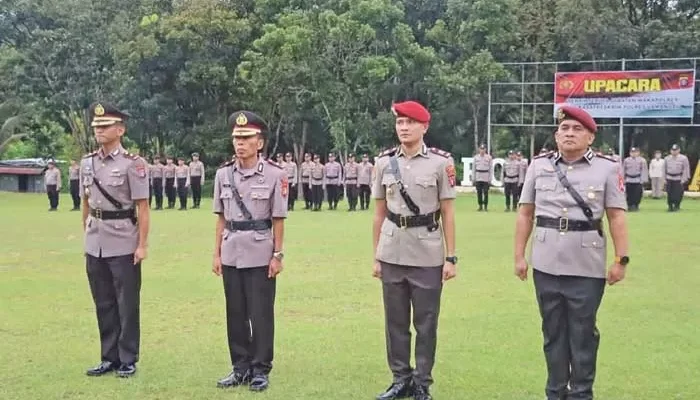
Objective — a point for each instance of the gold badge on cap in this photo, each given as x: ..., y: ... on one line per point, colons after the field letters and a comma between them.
x: 561, y: 115
x: 99, y: 110
x: 241, y: 120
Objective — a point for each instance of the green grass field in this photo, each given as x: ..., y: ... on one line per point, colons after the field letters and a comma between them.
x: 330, y: 339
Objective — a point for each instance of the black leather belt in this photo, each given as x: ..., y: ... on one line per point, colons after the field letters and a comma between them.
x: 483, y: 170
x: 412, y: 221
x: 119, y: 214
x: 251, y: 225
x: 633, y: 176
x: 672, y: 174
x: 511, y: 177
x: 350, y: 179
x: 332, y: 177
x: 565, y: 224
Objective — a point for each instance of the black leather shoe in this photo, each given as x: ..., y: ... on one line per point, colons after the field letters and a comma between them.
x: 103, y: 368
x: 126, y: 370
x: 421, y: 393
x: 234, y: 379
x: 398, y: 390
x: 259, y: 383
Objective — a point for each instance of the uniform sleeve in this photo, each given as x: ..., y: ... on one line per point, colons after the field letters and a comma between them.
x: 645, y: 171
x: 686, y: 170
x: 81, y: 188
x: 58, y: 179
x: 447, y: 180
x: 203, y: 172
x: 527, y: 195
x: 295, y: 176
x: 615, y: 189
x: 279, y: 196
x: 217, y: 205
x: 137, y: 176
x: 378, y: 190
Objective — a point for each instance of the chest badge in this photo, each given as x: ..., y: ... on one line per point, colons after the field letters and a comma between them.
x: 261, y: 180
x: 591, y: 195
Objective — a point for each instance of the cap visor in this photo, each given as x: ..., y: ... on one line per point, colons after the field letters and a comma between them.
x: 245, y: 132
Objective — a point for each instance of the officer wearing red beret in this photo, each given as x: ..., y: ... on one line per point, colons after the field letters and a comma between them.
x: 567, y: 193
x: 414, y: 189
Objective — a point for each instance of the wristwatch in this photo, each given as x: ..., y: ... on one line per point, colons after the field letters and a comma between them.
x: 278, y: 255
x: 623, y: 260
x: 452, y: 260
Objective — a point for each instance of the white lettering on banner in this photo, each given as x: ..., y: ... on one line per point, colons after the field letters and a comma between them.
x: 468, y: 171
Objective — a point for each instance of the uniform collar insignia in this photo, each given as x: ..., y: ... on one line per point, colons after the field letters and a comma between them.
x: 261, y: 167
x: 423, y: 151
x: 589, y: 156
x: 556, y: 157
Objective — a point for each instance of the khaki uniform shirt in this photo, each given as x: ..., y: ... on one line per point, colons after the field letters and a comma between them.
x: 53, y: 177
x: 364, y: 173
x: 677, y: 168
x: 482, y: 168
x: 182, y: 172
x: 156, y: 171
x: 635, y: 169
x: 352, y: 170
x: 333, y: 172
x: 74, y: 173
x: 511, y: 171
x: 291, y: 168
x: 306, y: 167
x: 657, y: 168
x: 599, y: 181
x: 169, y: 171
x: 426, y: 177
x: 125, y: 177
x: 317, y: 174
x: 523, y: 171
x: 197, y: 169
x: 264, y: 190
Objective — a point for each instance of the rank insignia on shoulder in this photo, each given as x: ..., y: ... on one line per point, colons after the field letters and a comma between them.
x: 89, y: 155
x: 439, y: 152
x: 274, y: 163
x: 388, y: 152
x: 227, y: 163
x: 606, y: 157
x: 545, y: 155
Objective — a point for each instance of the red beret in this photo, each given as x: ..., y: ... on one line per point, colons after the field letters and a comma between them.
x: 578, y: 114
x: 412, y: 110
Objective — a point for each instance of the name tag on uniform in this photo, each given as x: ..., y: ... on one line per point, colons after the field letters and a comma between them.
x: 259, y: 186
x: 115, y: 172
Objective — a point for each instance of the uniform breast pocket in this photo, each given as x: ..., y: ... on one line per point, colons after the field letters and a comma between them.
x: 428, y: 187
x: 389, y: 182
x: 226, y: 193
x: 88, y: 180
x: 261, y: 202
x: 545, y: 186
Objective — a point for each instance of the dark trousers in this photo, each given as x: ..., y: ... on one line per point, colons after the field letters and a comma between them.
x: 75, y: 192
x: 511, y: 192
x: 182, y: 192
x: 115, y: 283
x: 170, y: 191
x: 308, y: 201
x: 317, y: 196
x: 158, y: 192
x: 352, y: 195
x: 365, y: 192
x: 196, y: 184
x: 250, y: 318
x: 52, y: 194
x: 292, y: 196
x: 674, y: 190
x: 634, y: 192
x: 332, y: 194
x: 405, y: 288
x: 568, y: 306
x: 482, y: 193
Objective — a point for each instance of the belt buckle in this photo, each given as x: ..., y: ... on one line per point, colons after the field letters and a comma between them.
x: 403, y: 222
x: 98, y: 213
x: 563, y: 225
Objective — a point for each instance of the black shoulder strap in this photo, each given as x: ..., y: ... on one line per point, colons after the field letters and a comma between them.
x: 107, y: 196
x: 397, y: 174
x: 577, y: 197
x: 237, y: 196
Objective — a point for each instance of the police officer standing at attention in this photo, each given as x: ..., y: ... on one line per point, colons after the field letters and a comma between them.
x: 511, y: 173
x: 182, y: 182
x: 114, y: 189
x: 636, y: 174
x: 482, y: 177
x: 677, y: 174
x: 364, y: 179
x: 196, y: 179
x: 332, y: 173
x: 291, y: 167
x: 414, y: 189
x: 169, y: 174
x: 306, y: 167
x: 351, y: 185
x: 567, y: 194
x: 317, y: 177
x: 156, y: 173
x: 52, y: 184
x: 250, y: 198
x: 74, y: 177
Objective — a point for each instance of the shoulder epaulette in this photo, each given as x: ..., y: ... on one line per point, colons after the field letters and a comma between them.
x: 606, y: 158
x: 89, y: 155
x: 227, y: 163
x: 132, y: 156
x: 545, y: 155
x: 388, y: 152
x: 439, y: 152
x: 274, y: 164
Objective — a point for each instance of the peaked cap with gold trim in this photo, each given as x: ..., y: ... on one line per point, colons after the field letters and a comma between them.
x: 105, y: 114
x: 246, y: 123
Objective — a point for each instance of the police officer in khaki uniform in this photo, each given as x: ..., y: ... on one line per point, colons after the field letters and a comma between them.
x: 352, y: 170
x: 156, y: 173
x: 511, y: 173
x: 114, y: 189
x: 567, y: 194
x: 250, y: 198
x: 291, y: 167
x: 414, y: 188
x: 52, y: 184
x: 332, y: 173
x: 482, y: 177
x: 636, y: 174
x: 169, y: 175
x: 74, y: 179
x: 317, y: 182
x: 182, y: 182
x: 677, y: 175
x: 364, y: 179
x: 306, y: 167
x: 197, y: 172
